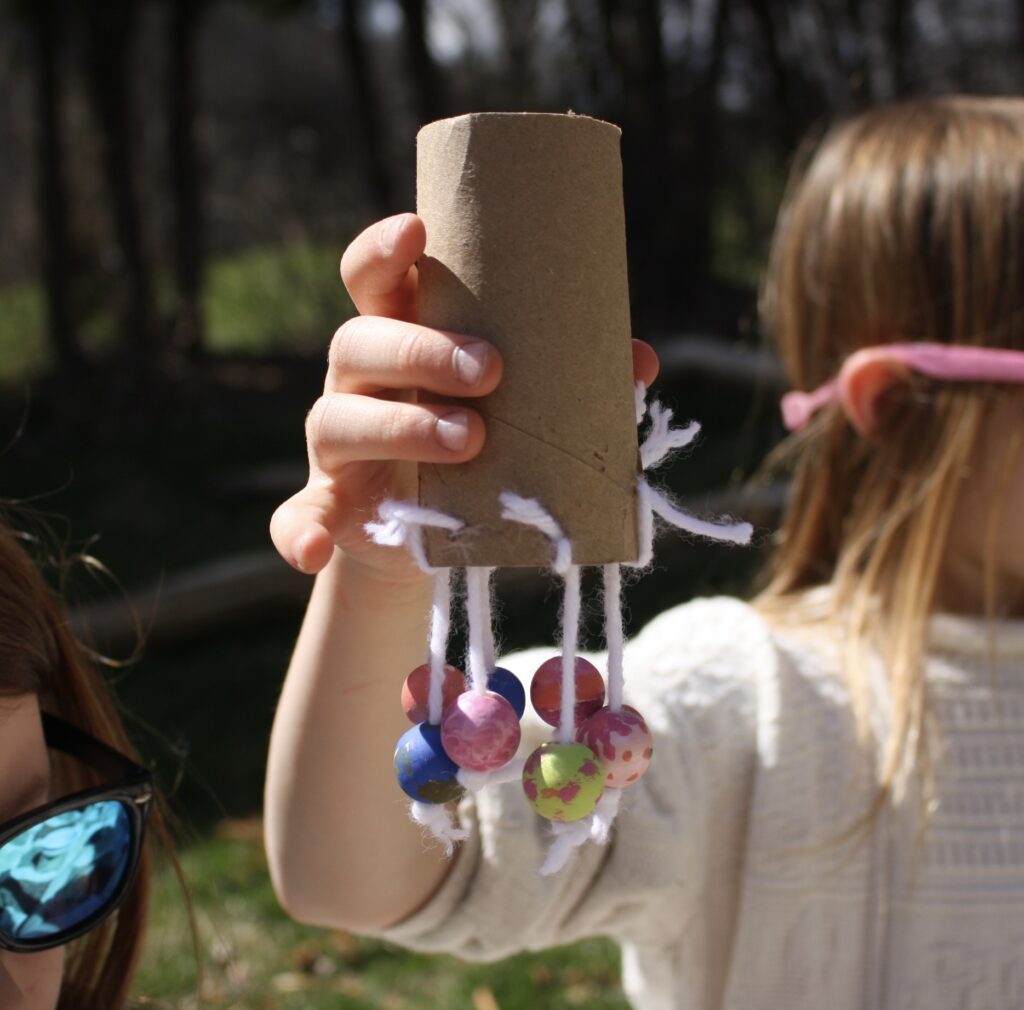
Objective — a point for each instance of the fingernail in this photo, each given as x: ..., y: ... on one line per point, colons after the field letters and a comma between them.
x: 471, y: 362
x: 453, y: 430
x: 389, y: 234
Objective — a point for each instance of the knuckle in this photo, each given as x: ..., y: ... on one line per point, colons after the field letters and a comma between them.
x: 339, y: 356
x: 410, y: 351
x: 318, y: 420
x: 406, y: 427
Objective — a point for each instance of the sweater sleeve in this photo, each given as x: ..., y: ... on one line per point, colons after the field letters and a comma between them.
x: 694, y: 673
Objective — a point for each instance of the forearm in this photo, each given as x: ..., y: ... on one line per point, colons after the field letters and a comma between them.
x: 341, y: 848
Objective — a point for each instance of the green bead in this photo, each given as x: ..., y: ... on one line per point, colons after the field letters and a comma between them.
x: 563, y: 781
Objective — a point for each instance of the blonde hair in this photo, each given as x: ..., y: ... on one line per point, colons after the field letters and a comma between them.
x: 904, y: 223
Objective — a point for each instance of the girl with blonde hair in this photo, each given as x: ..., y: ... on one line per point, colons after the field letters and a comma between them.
x: 835, y: 813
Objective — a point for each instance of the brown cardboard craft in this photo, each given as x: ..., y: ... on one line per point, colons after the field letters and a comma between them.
x: 526, y: 248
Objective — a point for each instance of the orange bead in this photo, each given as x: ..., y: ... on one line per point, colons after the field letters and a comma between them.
x: 546, y: 690
x: 416, y: 691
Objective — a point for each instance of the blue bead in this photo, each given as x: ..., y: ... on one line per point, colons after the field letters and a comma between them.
x: 424, y: 770
x: 510, y: 687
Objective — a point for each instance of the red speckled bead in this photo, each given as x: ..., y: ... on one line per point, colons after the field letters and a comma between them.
x: 546, y: 690
x: 622, y: 743
x: 480, y: 731
x: 416, y: 691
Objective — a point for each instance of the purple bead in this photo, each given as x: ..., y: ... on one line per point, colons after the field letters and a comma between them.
x: 480, y: 732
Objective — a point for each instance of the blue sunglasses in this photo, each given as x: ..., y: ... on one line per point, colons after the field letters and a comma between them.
x: 65, y: 866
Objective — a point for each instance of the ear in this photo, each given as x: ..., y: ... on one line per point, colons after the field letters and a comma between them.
x: 864, y: 378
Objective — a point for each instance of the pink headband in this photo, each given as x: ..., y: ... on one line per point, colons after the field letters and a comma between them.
x: 938, y: 361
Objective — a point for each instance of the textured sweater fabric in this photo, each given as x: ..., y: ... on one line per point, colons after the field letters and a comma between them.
x: 726, y: 882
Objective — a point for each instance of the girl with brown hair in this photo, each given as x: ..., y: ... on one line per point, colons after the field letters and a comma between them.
x: 834, y: 816
x: 74, y: 802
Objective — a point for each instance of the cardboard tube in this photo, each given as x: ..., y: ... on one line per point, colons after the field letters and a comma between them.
x: 526, y: 248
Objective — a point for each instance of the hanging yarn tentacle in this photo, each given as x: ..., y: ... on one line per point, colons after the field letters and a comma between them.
x: 564, y: 774
x: 401, y: 525
x: 419, y: 754
x: 613, y: 633
x: 440, y: 625
x: 439, y: 824
x: 478, y: 613
x: 662, y: 439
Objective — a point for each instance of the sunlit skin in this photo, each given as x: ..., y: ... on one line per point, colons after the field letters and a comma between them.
x: 367, y: 618
x: 27, y: 981
x: 363, y: 436
x: 986, y: 529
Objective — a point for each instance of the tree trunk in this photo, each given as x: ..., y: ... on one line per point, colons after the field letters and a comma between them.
x: 46, y: 20
x: 896, y: 45
x: 518, y: 24
x: 110, y: 32
x: 187, y: 331
x: 367, y: 106
x: 790, y: 121
x: 428, y: 95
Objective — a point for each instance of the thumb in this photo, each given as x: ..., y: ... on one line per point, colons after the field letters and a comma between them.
x: 301, y: 529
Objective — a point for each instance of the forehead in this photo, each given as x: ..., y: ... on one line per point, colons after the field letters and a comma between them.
x: 24, y: 765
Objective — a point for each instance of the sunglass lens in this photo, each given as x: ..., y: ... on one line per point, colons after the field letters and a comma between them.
x: 60, y: 872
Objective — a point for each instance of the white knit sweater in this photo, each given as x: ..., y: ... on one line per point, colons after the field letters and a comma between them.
x: 724, y: 882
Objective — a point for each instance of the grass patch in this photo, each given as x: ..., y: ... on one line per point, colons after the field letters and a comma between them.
x: 24, y: 348
x: 261, y: 301
x: 254, y: 956
x: 279, y: 299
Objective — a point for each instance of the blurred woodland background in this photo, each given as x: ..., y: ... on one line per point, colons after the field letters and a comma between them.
x: 178, y: 179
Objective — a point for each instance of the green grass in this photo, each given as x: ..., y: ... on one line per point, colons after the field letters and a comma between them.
x: 280, y: 299
x: 24, y: 350
x: 253, y: 956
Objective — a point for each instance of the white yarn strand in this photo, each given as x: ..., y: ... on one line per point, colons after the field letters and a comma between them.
x: 490, y: 650
x: 733, y: 533
x: 570, y: 638
x: 435, y: 819
x: 613, y: 633
x: 568, y: 837
x: 440, y: 625
x: 644, y: 525
x: 640, y: 400
x: 475, y: 781
x: 530, y: 512
x: 400, y: 524
x: 662, y: 439
x: 478, y: 617
x: 604, y: 816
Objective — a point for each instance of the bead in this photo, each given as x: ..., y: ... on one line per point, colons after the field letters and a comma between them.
x: 510, y: 687
x: 480, y: 731
x: 416, y: 691
x: 622, y: 743
x: 546, y: 690
x: 563, y: 781
x: 425, y: 772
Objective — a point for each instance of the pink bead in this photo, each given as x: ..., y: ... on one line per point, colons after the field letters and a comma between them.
x: 622, y: 743
x: 416, y: 691
x: 546, y: 690
x: 480, y: 732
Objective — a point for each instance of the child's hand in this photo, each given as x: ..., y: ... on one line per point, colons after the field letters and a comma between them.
x: 363, y: 435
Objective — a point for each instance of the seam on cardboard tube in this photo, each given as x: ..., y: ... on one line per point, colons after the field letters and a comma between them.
x: 628, y: 487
